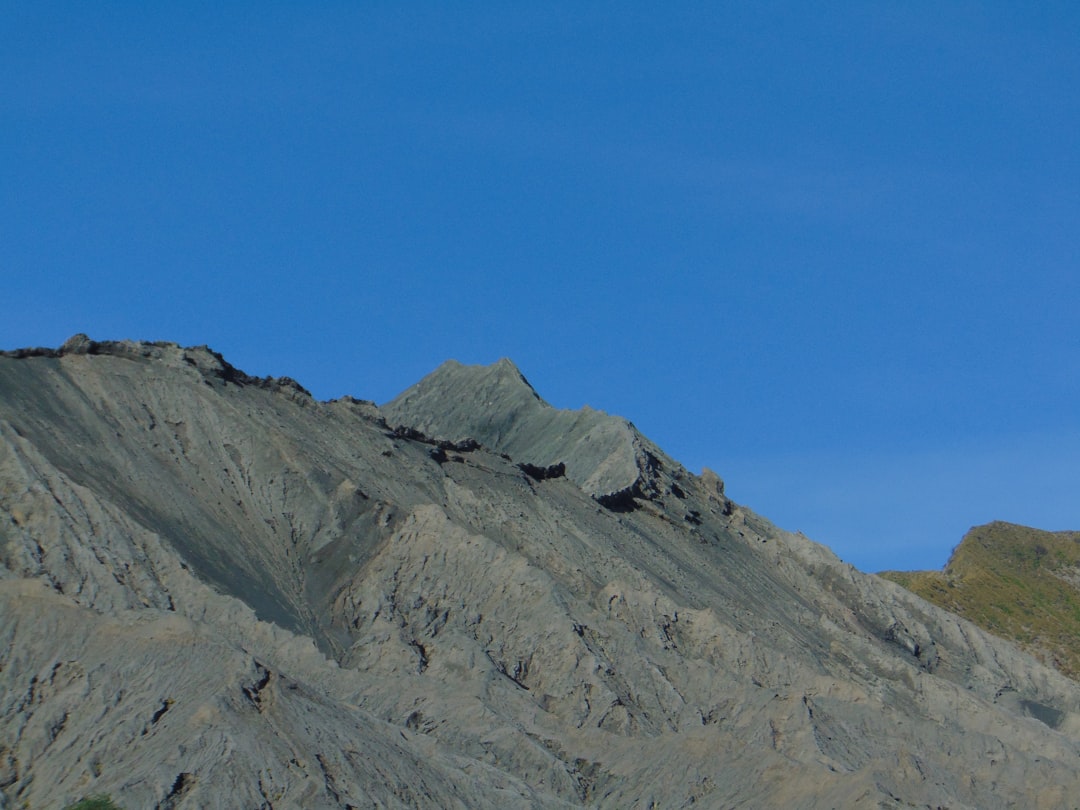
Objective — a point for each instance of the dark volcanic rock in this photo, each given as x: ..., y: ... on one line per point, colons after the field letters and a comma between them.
x: 543, y: 473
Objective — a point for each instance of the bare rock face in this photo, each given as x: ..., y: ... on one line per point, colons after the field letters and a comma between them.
x: 218, y: 592
x: 496, y: 405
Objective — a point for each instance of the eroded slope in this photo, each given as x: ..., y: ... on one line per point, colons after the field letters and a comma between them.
x: 523, y: 635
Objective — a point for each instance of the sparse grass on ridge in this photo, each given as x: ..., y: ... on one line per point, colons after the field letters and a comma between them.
x: 1018, y: 583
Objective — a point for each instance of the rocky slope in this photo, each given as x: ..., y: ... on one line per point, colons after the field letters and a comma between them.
x: 1019, y: 583
x: 218, y: 592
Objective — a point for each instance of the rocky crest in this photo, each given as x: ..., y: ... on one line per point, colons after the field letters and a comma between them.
x: 217, y: 592
x: 605, y: 455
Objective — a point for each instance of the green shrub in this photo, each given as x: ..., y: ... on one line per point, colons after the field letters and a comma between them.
x: 94, y: 803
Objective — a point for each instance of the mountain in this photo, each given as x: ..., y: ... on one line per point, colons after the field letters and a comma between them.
x: 496, y: 405
x: 1019, y: 583
x: 216, y: 591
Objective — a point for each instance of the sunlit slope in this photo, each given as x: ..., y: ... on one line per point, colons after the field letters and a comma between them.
x: 1017, y: 582
x: 216, y: 591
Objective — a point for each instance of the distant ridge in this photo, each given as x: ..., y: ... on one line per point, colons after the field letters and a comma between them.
x: 1019, y: 583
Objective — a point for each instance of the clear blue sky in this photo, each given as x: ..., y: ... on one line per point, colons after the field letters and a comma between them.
x: 828, y: 250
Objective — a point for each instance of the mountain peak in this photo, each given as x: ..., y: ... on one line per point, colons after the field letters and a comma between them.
x: 497, y: 406
x: 458, y: 401
x: 502, y: 374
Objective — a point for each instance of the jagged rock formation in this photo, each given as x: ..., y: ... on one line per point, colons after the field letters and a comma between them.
x: 218, y: 592
x: 497, y: 406
x: 1019, y: 583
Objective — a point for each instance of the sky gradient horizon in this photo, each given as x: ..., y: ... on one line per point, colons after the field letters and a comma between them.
x: 829, y: 253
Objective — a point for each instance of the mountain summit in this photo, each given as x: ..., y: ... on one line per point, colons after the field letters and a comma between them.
x: 216, y: 591
x: 497, y: 406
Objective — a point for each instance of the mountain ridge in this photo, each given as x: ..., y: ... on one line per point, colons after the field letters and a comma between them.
x: 1017, y: 582
x: 496, y: 405
x: 217, y: 592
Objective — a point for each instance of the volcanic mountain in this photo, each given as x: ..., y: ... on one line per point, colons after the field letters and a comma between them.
x: 216, y: 591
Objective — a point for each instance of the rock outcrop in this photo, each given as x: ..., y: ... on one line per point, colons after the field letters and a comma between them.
x: 217, y: 592
x: 604, y: 455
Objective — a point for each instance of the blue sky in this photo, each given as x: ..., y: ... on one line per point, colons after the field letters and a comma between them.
x: 830, y: 252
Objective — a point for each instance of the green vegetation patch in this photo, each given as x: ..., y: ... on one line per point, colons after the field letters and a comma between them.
x: 1019, y: 583
x: 94, y: 803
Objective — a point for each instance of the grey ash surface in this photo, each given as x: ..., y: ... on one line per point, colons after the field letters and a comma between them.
x: 216, y: 591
